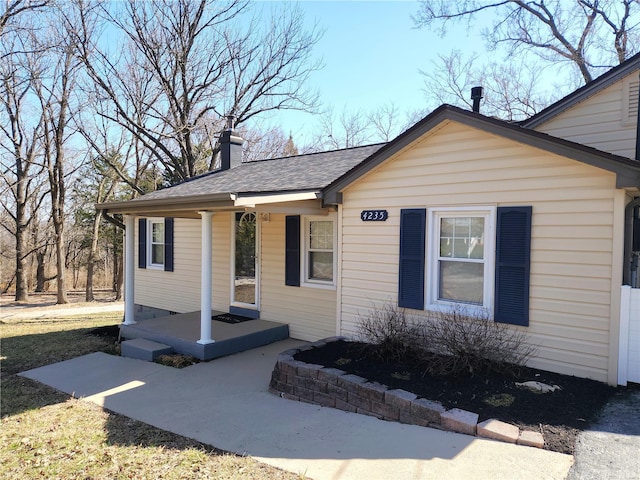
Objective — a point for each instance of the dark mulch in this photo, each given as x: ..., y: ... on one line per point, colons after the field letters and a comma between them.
x: 230, y: 318
x: 559, y: 415
x: 177, y: 360
x: 108, y: 332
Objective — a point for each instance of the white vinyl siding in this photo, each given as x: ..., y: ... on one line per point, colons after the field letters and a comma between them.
x: 606, y: 121
x: 222, y: 259
x: 572, y: 230
x: 174, y: 291
x: 310, y: 312
x: 179, y: 291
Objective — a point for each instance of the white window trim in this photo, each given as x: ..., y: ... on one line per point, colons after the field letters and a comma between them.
x: 433, y: 241
x: 305, y: 281
x: 149, y: 244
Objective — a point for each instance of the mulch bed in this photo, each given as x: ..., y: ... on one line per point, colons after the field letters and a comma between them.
x: 558, y: 415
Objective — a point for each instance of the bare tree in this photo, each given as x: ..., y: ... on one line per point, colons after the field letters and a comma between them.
x: 511, y: 90
x: 591, y: 34
x: 346, y: 129
x: 353, y: 128
x: 54, y: 89
x: 269, y: 143
x: 98, y: 183
x: 14, y: 8
x: 386, y: 123
x: 21, y: 127
x: 188, y: 61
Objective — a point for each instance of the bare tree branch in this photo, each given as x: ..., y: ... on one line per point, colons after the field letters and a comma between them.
x: 589, y: 33
x: 186, y: 61
x: 14, y: 8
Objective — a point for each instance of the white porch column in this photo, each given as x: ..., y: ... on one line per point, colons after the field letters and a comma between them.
x: 205, y: 282
x: 129, y: 269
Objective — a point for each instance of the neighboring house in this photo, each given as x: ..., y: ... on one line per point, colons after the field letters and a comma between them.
x: 532, y: 223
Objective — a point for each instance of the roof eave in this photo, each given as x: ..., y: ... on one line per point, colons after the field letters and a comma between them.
x: 150, y: 205
x: 222, y: 201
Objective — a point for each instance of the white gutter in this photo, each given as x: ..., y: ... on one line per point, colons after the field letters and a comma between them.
x: 274, y: 198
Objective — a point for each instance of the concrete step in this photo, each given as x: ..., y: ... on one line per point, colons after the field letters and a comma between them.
x: 144, y: 349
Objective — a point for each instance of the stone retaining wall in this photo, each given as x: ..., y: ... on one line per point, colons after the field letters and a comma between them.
x: 330, y: 387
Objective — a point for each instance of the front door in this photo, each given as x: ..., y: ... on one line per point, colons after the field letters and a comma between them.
x: 244, y: 275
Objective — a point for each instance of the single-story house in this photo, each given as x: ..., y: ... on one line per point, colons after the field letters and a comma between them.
x: 532, y: 223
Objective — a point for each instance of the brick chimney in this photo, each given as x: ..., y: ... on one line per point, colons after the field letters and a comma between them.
x: 230, y: 147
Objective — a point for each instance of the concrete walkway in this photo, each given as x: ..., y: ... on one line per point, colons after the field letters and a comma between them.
x: 56, y: 311
x: 225, y: 403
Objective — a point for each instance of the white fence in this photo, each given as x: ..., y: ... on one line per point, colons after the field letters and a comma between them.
x: 629, y: 358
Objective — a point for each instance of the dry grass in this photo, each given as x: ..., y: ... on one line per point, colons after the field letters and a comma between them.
x: 46, y: 434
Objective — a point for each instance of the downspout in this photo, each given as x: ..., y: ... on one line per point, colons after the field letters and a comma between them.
x: 630, y: 258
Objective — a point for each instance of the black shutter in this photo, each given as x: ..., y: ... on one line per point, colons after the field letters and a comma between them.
x: 513, y: 252
x: 292, y: 251
x: 142, y: 243
x: 168, y: 244
x: 412, y: 251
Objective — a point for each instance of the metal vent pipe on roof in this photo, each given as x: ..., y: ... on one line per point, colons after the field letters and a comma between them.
x: 476, y: 96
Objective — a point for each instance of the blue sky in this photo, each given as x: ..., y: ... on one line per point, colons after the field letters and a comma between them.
x: 372, y: 55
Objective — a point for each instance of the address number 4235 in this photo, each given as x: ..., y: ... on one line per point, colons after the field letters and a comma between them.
x: 374, y: 215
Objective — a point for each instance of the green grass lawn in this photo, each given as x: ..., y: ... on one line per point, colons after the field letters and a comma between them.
x: 46, y: 434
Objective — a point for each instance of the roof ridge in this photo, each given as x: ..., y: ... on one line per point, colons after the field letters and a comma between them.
x: 318, y: 153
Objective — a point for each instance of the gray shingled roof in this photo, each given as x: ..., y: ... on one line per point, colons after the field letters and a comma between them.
x: 299, y: 173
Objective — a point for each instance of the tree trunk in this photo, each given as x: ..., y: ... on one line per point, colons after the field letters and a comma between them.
x: 41, y: 280
x: 88, y: 289
x: 22, y: 288
x: 91, y: 262
x: 61, y: 292
x: 120, y: 277
x: 8, y: 285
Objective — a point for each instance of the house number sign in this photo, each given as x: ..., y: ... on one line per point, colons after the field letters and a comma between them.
x: 374, y: 215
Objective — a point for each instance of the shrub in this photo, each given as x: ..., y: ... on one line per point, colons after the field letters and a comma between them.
x: 455, y: 342
x: 470, y: 342
x: 392, y: 331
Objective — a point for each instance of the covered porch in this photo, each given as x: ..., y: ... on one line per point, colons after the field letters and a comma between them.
x: 182, y: 332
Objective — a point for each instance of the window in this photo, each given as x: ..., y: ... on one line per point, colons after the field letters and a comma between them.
x: 319, y: 241
x: 460, y: 269
x: 156, y: 243
x: 476, y: 256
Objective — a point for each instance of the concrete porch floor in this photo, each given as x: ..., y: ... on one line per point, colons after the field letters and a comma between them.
x: 182, y: 332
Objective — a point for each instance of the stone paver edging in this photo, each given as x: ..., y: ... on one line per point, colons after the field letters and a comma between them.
x: 331, y: 387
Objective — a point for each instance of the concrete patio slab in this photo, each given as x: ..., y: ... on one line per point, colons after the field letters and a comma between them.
x: 225, y: 403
